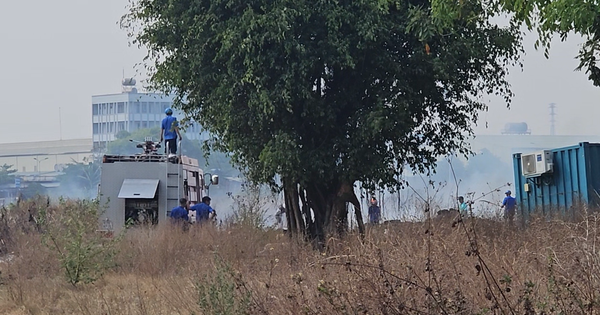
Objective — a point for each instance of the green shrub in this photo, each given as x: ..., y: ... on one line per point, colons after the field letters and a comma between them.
x: 220, y: 292
x: 71, y: 230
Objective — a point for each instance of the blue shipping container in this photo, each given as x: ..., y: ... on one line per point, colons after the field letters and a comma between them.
x: 574, y: 180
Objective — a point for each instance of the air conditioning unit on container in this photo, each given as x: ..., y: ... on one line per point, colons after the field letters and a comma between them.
x: 536, y: 163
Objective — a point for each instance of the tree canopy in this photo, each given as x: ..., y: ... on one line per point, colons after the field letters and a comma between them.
x: 563, y: 17
x: 548, y: 18
x: 326, y: 93
x: 6, y: 176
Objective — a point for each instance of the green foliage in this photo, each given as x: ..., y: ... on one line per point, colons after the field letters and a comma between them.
x: 549, y: 18
x: 563, y: 17
x: 322, y: 90
x: 123, y: 146
x: 327, y: 93
x: 219, y: 293
x: 5, y: 174
x: 123, y: 134
x: 71, y: 231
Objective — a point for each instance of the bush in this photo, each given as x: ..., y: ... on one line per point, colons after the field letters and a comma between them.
x: 71, y: 231
x: 249, y: 207
x: 220, y: 292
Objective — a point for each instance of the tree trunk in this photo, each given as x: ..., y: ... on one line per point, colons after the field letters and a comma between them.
x: 345, y: 195
x: 311, y: 231
x: 322, y: 210
x: 359, y: 219
x: 293, y: 215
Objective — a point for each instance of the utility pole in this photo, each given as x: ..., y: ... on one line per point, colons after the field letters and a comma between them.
x: 38, y: 160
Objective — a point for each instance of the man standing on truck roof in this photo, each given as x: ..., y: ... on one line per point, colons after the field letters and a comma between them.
x: 180, y: 214
x: 169, y: 131
x: 510, y: 206
x: 203, y: 210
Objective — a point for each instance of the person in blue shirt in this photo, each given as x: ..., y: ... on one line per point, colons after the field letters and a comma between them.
x: 374, y: 212
x: 180, y: 214
x: 203, y: 210
x: 510, y: 206
x: 169, y: 132
x: 463, y: 207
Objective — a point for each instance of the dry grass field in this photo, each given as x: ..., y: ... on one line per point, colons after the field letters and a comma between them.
x: 436, y: 267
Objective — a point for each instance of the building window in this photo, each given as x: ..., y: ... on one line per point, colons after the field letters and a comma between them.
x: 144, y: 107
x: 120, y: 107
x: 165, y: 105
x: 96, y: 129
x: 95, y: 109
x: 121, y: 126
x: 144, y: 124
x: 136, y: 108
x: 104, y: 109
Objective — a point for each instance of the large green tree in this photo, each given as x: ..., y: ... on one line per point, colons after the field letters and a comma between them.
x: 326, y: 93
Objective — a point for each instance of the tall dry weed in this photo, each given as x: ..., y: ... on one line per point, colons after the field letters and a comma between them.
x: 448, y: 265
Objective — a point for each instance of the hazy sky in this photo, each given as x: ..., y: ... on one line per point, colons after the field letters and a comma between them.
x: 57, y: 54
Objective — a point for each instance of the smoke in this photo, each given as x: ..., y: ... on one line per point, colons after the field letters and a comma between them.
x: 71, y: 190
x: 482, y: 180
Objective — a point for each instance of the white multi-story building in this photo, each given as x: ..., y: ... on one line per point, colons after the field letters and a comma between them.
x: 131, y: 110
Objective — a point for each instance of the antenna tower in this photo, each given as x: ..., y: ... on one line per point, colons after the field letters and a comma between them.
x: 552, y: 106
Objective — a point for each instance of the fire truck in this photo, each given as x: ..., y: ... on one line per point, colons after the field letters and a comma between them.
x: 141, y: 189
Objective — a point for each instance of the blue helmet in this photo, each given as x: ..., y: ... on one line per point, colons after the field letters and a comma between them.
x: 169, y: 111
